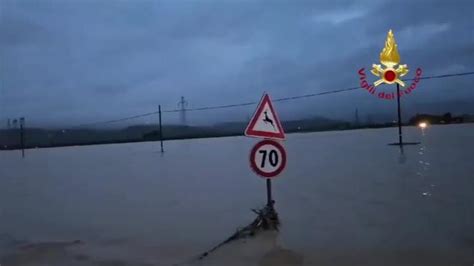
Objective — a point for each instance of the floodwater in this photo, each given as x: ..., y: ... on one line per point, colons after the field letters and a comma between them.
x: 345, y: 198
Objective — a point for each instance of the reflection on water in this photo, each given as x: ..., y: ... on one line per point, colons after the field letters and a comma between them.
x: 402, y: 158
x: 424, y: 167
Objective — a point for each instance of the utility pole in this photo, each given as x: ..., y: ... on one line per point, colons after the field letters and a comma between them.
x: 161, y: 128
x: 357, y: 121
x: 22, y: 137
x: 399, y: 111
x: 182, y: 104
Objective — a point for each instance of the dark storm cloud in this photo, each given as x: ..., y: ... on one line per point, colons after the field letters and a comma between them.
x: 77, y: 61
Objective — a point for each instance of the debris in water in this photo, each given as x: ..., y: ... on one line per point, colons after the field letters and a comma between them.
x: 267, y: 219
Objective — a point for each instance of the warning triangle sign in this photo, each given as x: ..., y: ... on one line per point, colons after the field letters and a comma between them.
x: 265, y: 122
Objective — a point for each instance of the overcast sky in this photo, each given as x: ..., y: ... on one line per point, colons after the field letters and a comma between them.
x: 75, y: 61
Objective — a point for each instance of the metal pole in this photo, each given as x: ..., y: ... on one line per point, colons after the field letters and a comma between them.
x: 22, y: 142
x: 269, y: 193
x: 400, y: 138
x: 161, y: 128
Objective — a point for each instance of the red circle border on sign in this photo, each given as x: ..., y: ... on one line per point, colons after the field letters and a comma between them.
x: 254, y: 151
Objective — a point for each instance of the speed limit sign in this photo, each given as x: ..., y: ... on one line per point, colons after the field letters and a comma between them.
x: 268, y: 158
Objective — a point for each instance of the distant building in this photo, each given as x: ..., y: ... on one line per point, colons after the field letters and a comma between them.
x: 447, y: 118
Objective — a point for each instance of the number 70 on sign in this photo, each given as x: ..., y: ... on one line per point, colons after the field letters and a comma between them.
x: 268, y: 158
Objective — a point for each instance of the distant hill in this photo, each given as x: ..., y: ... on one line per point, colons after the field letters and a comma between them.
x: 238, y: 128
x: 34, y: 137
x: 37, y: 137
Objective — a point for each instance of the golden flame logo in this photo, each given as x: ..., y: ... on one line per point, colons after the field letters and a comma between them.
x: 389, y: 57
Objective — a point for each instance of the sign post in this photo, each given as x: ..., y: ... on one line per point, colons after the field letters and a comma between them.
x: 269, y: 193
x: 267, y: 157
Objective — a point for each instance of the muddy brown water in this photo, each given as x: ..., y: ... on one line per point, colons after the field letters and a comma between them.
x: 345, y: 197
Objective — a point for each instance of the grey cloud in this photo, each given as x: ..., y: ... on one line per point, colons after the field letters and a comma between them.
x: 72, y: 61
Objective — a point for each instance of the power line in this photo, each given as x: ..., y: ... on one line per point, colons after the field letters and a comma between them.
x: 211, y: 107
x: 253, y: 103
x: 309, y: 95
x: 445, y: 76
x: 116, y: 120
x: 314, y: 94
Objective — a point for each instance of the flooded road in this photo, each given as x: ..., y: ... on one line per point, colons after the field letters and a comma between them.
x: 345, y: 198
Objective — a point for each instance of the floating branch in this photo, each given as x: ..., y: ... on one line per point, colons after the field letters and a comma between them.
x: 267, y: 219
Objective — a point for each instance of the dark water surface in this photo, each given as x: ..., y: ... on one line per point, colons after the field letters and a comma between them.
x: 345, y: 198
